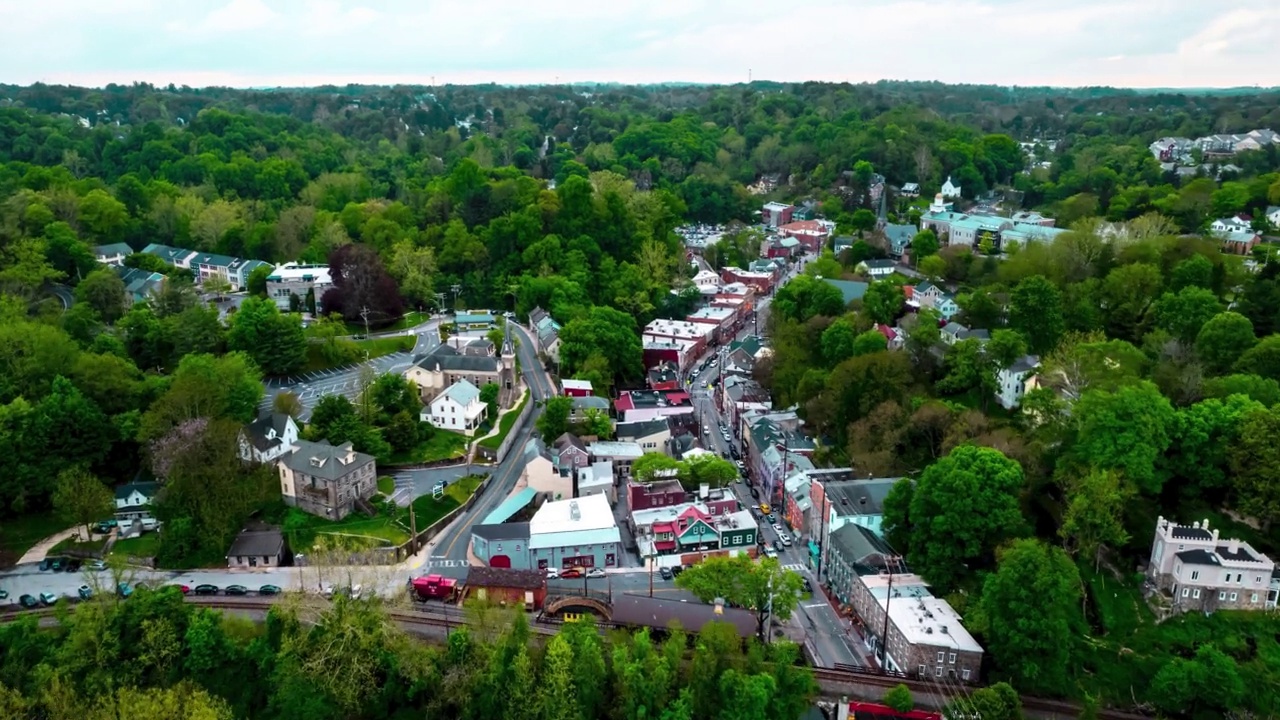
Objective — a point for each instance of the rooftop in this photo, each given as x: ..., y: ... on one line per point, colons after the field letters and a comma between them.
x: 146, y: 489
x: 850, y: 290
x: 480, y: 576
x: 509, y: 507
x: 615, y: 449
x: 572, y: 384
x: 324, y: 460
x: 678, y: 329
x: 690, y: 616
x: 263, y: 543
x: 641, y: 428
x: 501, y: 531
x: 462, y: 392
x: 922, y: 619
x: 718, y: 314
x: 586, y: 513
x: 295, y: 271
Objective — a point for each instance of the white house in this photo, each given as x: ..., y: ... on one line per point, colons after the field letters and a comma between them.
x: 877, y: 269
x: 267, y: 438
x: 133, y: 500
x: 1230, y: 225
x: 911, y: 190
x: 1011, y: 382
x: 113, y: 254
x: 457, y: 408
x: 950, y: 190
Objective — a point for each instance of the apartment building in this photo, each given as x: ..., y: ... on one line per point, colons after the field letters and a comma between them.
x: 925, y: 637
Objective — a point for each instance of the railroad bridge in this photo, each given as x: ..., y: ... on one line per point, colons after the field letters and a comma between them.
x: 565, y: 603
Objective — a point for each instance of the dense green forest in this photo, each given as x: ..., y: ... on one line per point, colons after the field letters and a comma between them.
x: 1156, y: 349
x: 154, y: 657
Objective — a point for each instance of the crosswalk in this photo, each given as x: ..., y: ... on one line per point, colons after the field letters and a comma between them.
x: 445, y: 563
x: 403, y: 494
x: 795, y: 567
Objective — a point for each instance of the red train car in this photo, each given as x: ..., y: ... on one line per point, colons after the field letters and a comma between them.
x: 436, y: 587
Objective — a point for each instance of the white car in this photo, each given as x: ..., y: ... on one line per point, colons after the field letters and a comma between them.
x: 553, y: 572
x: 595, y: 573
x: 778, y: 529
x: 769, y: 551
x: 786, y: 540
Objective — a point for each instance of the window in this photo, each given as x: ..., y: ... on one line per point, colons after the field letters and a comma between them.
x: 1233, y: 597
x: 941, y: 656
x: 938, y: 671
x: 1222, y: 595
x: 1253, y: 598
x: 923, y: 670
x: 951, y: 659
x: 1257, y: 580
x: 1185, y: 592
x: 1195, y: 574
x: 964, y: 673
x: 1196, y: 593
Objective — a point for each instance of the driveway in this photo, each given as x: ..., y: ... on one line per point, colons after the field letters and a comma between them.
x: 42, y: 548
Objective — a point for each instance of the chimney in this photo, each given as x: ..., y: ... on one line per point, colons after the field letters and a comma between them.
x: 1233, y: 546
x: 704, y: 490
x: 1205, y: 524
x: 1215, y: 537
x: 1195, y: 524
x: 574, y: 512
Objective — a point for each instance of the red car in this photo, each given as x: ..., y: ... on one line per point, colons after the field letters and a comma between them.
x: 571, y: 573
x: 186, y: 589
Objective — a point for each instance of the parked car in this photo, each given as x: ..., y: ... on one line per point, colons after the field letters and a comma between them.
x: 124, y: 590
x: 206, y: 589
x: 665, y: 572
x: 355, y: 591
x: 675, y: 571
x: 786, y: 540
x: 236, y: 590
x: 184, y: 589
x: 96, y: 565
x: 552, y: 573
x: 269, y: 590
x: 73, y: 564
x: 773, y: 519
x: 46, y: 564
x: 596, y: 573
x: 4, y: 594
x: 48, y: 598
x: 570, y: 573
x: 57, y: 565
x: 85, y: 592
x: 755, y: 492
x: 105, y: 526
x: 28, y: 601
x: 776, y: 527
x: 777, y: 545
x: 770, y: 552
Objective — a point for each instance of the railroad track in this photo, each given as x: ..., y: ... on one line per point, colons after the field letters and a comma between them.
x: 423, y: 616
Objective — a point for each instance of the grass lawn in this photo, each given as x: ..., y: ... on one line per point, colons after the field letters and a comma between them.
x: 73, y: 544
x: 386, y: 485
x: 504, y: 426
x: 356, y: 529
x: 17, y: 535
x: 442, y: 445
x: 427, y: 509
x: 376, y: 347
x: 145, y: 545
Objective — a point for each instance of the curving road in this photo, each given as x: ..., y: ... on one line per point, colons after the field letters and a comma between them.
x: 449, y: 550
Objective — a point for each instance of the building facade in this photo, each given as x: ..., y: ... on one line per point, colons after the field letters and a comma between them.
x: 925, y: 637
x: 457, y: 408
x: 1198, y: 571
x: 325, y: 480
x: 297, y: 280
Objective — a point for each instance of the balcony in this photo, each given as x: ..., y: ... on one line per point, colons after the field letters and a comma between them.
x: 321, y: 493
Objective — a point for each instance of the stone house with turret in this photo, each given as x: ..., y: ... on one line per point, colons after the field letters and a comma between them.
x: 1199, y: 571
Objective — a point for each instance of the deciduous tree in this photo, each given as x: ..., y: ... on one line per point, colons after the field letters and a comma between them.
x: 80, y: 498
x: 759, y: 586
x: 274, y: 340
x: 1126, y: 430
x: 1035, y: 310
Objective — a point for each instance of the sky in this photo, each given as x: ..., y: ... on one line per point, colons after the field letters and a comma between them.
x: 258, y: 43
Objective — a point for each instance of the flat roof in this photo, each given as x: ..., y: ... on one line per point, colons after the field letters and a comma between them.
x: 616, y: 449
x: 576, y: 538
x: 712, y: 313
x: 691, y: 616
x: 294, y: 271
x: 576, y: 384
x: 678, y: 328
x: 587, y: 513
x: 921, y: 618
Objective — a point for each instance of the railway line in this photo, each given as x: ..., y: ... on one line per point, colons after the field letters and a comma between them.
x: 834, y: 682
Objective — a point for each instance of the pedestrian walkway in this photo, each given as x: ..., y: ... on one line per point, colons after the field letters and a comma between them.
x: 41, y: 549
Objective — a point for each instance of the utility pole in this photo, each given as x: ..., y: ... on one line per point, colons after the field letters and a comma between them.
x: 456, y: 289
x: 413, y: 531
x: 768, y: 611
x: 884, y: 635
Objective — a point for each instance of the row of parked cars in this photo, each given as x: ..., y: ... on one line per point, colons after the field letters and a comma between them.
x: 61, y: 564
x: 567, y: 573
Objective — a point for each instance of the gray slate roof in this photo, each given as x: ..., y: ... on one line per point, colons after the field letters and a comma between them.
x: 257, y: 430
x: 329, y: 465
x: 263, y: 543
x: 462, y: 392
x: 445, y: 358
x: 502, y: 531
x: 147, y: 489
x: 859, y: 546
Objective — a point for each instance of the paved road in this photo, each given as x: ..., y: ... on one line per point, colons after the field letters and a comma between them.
x: 449, y: 555
x: 345, y: 380
x: 64, y: 295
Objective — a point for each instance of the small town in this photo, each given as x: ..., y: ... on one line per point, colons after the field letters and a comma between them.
x: 373, y: 394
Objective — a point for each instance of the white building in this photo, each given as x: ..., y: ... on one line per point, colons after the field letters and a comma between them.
x: 1201, y: 572
x: 950, y: 190
x: 1273, y: 215
x: 457, y: 408
x: 113, y: 254
x: 597, y: 479
x: 264, y: 440
x: 293, y: 279
x: 1011, y: 382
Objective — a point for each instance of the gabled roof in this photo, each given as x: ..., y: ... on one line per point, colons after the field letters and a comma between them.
x: 461, y: 392
x: 850, y: 290
x: 492, y: 577
x: 260, y: 431
x: 590, y: 402
x: 1198, y: 557
x: 147, y: 489
x: 880, y: 264
x: 257, y: 543
x: 567, y: 440
x: 112, y: 249
x: 859, y: 546
x: 641, y: 428
x: 502, y: 531
x: 445, y: 358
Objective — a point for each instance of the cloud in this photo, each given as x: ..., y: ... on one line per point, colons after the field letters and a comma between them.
x: 1166, y: 43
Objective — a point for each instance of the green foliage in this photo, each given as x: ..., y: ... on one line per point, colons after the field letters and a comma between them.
x: 275, y: 341
x: 805, y: 297
x: 762, y: 586
x: 899, y: 698
x: 961, y: 509
x: 1255, y: 463
x: 1031, y: 601
x: 1035, y: 310
x: 1223, y: 339
x: 883, y: 301
x: 1126, y: 430
x: 1208, y: 682
x: 554, y: 420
